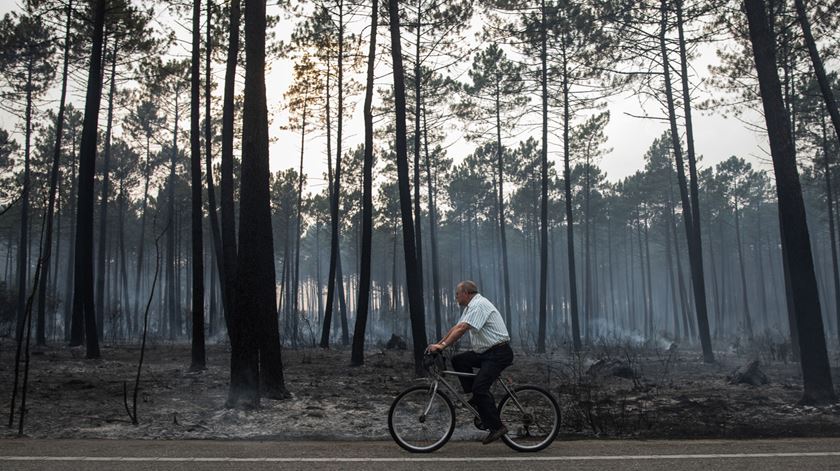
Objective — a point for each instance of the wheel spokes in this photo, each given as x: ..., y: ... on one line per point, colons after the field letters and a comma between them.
x: 532, y: 418
x: 420, y: 420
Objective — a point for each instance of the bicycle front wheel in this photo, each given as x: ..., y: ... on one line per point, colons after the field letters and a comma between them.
x: 532, y: 417
x: 421, y: 422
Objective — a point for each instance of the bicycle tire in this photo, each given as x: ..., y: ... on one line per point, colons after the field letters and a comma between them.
x: 541, y: 414
x: 412, y: 430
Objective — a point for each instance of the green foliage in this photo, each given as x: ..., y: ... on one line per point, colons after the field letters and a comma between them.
x: 740, y: 184
x: 304, y: 96
x: 283, y: 186
x: 8, y: 148
x: 471, y: 192
x: 26, y: 53
x: 494, y: 102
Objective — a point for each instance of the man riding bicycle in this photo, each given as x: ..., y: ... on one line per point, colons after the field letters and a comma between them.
x: 490, y: 353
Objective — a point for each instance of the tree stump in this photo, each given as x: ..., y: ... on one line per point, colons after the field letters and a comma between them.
x: 748, y: 374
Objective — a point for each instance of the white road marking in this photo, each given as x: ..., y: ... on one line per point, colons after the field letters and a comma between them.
x: 417, y: 459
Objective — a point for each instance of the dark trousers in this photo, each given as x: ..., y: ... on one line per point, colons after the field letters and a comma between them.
x: 490, y: 365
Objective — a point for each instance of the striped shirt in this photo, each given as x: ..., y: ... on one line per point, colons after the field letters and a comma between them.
x: 487, y: 328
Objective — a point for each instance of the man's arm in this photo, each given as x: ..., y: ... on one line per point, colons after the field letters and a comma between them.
x: 455, y: 333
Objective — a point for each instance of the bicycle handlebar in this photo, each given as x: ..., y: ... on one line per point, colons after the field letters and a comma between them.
x: 433, y: 359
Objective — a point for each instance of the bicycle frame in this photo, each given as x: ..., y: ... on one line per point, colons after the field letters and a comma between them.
x: 438, y: 377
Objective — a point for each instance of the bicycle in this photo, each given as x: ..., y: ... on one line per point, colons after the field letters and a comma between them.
x: 422, y: 418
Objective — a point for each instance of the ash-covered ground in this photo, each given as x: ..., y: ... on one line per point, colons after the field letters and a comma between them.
x: 614, y: 390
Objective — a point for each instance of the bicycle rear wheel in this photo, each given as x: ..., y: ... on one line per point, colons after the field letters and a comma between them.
x: 532, y: 418
x: 419, y: 421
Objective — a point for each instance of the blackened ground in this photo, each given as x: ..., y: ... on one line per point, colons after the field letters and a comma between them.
x: 613, y: 390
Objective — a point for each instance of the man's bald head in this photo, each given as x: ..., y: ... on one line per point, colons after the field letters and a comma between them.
x: 465, y: 291
x: 468, y: 287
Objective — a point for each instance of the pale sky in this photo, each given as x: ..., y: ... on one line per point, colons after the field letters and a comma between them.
x: 716, y: 138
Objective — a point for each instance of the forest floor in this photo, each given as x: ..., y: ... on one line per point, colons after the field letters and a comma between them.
x: 611, y: 391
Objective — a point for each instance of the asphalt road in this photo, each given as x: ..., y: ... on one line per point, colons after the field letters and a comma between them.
x: 603, y: 455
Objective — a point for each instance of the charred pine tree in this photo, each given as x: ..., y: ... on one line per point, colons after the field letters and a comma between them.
x: 831, y: 225
x: 198, y: 353
x: 334, y: 276
x: 105, y: 194
x: 74, y: 122
x: 816, y: 373
x: 256, y: 321
x: 543, y: 283
x: 415, y: 298
x: 40, y: 337
x: 208, y: 162
x: 25, y: 72
x: 83, y: 305
x: 228, y: 221
x: 357, y: 356
x: 244, y: 358
x: 418, y: 80
x: 694, y: 247
x: 433, y: 231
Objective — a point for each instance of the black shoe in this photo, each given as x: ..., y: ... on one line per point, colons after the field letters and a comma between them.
x: 495, y: 435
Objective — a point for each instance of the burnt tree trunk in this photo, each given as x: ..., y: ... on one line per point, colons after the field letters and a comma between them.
x: 747, y: 318
x: 567, y: 173
x: 258, y: 338
x: 40, y: 337
x: 103, y: 199
x: 172, y: 291
x: 694, y: 250
x: 543, y: 283
x: 23, y: 247
x: 415, y: 297
x: 198, y: 353
x: 433, y: 230
x: 417, y: 213
x: 71, y: 251
x: 244, y: 358
x: 335, y: 239
x: 816, y: 373
x: 123, y: 265
x: 83, y: 306
x: 831, y: 229
x: 141, y: 242
x: 228, y: 221
x: 208, y: 161
x: 357, y: 356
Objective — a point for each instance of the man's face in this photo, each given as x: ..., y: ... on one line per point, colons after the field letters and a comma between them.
x: 462, y: 297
